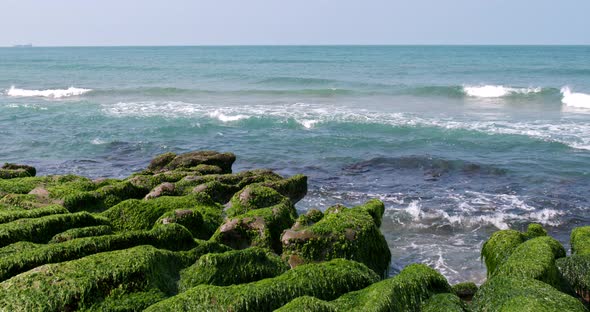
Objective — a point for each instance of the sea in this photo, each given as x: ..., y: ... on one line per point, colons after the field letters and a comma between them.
x: 457, y: 141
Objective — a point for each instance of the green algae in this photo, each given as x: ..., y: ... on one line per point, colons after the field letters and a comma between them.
x: 172, y: 237
x: 90, y: 231
x: 259, y: 227
x: 134, y: 214
x: 406, y: 291
x: 349, y: 233
x: 465, y: 290
x: 253, y: 197
x: 504, y: 293
x: 42, y: 229
x: 232, y: 267
x: 12, y: 215
x: 535, y: 259
x: 81, y: 283
x: 444, y: 303
x: 502, y: 243
x: 326, y: 281
x: 580, y: 240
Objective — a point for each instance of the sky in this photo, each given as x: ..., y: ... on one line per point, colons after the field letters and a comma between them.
x: 297, y: 22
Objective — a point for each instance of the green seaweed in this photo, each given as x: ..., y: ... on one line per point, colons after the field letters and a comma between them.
x: 81, y: 232
x: 326, y: 281
x: 81, y: 283
x: 444, y: 303
x: 134, y: 214
x: 406, y: 291
x: 505, y: 293
x: 12, y: 215
x: 42, y: 229
x: 232, y: 267
x: 171, y: 237
x: 253, y: 197
x: 260, y: 227
x: 349, y: 233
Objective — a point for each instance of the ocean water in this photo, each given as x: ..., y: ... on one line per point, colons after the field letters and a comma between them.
x: 457, y: 141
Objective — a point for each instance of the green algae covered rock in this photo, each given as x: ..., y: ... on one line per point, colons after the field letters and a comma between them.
x: 253, y: 197
x: 79, y: 284
x: 232, y: 267
x: 350, y: 233
x: 259, y: 227
x: 171, y: 161
x: 172, y: 237
x: 504, y: 293
x: 576, y: 268
x: 406, y: 291
x: 11, y: 171
x: 12, y: 215
x: 196, y: 212
x: 465, y: 290
x: 502, y: 243
x: 81, y: 232
x: 326, y: 281
x: 42, y: 229
x: 444, y: 303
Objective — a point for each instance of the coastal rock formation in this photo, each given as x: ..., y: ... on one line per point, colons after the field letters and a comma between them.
x: 187, y: 234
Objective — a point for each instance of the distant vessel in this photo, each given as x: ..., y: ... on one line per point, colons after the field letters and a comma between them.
x: 23, y: 46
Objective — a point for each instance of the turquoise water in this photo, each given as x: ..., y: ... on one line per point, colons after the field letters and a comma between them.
x: 457, y: 141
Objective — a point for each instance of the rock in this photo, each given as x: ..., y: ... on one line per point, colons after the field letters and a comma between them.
x: 253, y: 197
x: 576, y: 268
x: 259, y: 227
x: 232, y: 267
x: 350, y: 233
x: 465, y: 290
x: 171, y: 161
x: 165, y: 188
x: 407, y: 291
x: 10, y: 171
x: 325, y: 281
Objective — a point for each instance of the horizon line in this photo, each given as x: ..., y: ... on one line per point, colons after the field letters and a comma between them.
x: 24, y: 46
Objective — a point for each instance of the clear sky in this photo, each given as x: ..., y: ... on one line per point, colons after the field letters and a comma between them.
x: 239, y: 22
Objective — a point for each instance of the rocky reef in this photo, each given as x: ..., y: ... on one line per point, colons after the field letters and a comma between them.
x: 187, y: 234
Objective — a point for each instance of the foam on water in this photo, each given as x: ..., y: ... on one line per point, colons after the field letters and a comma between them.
x: 495, y: 91
x: 575, y: 134
x: 578, y: 100
x: 49, y: 93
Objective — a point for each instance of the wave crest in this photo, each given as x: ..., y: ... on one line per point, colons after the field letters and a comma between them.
x: 493, y: 91
x: 49, y: 93
x: 572, y: 99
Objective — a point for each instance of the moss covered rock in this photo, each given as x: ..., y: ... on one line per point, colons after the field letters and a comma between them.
x: 11, y: 171
x: 20, y: 258
x: 259, y: 227
x: 444, y: 303
x: 16, y: 214
x: 505, y: 293
x: 326, y: 281
x: 406, y: 291
x: 502, y: 243
x: 81, y: 283
x: 576, y: 268
x: 197, y: 212
x: 232, y: 267
x: 252, y: 197
x: 90, y: 231
x: 350, y: 233
x: 465, y: 290
x: 171, y: 161
x: 42, y: 229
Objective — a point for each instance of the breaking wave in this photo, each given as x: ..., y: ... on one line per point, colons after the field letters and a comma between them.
x: 49, y: 93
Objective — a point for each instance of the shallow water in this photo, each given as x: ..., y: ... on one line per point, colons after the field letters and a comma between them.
x: 457, y: 141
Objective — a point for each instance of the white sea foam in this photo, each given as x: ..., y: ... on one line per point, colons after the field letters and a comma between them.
x: 492, y: 91
x: 49, y: 93
x: 572, y: 132
x: 472, y: 209
x: 578, y: 100
x: 226, y: 118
